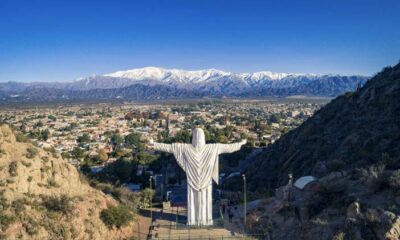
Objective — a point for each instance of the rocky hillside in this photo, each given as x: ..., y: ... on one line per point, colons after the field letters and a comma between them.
x: 352, y: 147
x: 43, y: 197
x: 355, y: 129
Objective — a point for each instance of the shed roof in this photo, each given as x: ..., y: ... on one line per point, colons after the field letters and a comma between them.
x: 303, y: 181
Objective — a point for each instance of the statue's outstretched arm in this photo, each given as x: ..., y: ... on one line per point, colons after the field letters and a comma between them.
x: 161, y: 146
x: 233, y: 147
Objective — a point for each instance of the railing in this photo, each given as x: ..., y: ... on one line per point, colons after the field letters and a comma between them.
x: 184, y: 232
x: 213, y: 237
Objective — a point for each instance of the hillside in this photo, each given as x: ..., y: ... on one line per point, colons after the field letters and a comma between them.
x: 352, y: 147
x: 43, y: 197
x: 353, y: 130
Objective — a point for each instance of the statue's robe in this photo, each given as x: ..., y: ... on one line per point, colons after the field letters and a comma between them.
x: 200, y: 164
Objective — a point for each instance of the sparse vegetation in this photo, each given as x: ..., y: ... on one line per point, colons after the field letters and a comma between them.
x: 339, y: 236
x: 21, y: 137
x: 51, y: 182
x: 45, y: 159
x: 6, y: 220
x: 12, y: 169
x: 394, y: 179
x: 31, y: 152
x: 30, y: 225
x: 26, y: 164
x: 116, y: 216
x: 145, y: 196
x: 19, y: 205
x: 52, y: 150
x: 62, y: 204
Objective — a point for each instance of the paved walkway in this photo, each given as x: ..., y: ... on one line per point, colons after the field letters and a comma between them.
x: 166, y: 227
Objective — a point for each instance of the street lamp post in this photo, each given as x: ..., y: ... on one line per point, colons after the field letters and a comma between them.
x: 138, y: 230
x: 151, y: 201
x: 244, y: 204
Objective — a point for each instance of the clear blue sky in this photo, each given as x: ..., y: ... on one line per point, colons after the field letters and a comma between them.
x: 54, y: 40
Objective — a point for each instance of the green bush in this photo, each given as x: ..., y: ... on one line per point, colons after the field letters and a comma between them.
x: 12, y: 169
x: 394, y: 180
x: 6, y: 220
x: 127, y: 197
x: 31, y: 226
x: 26, y: 164
x: 339, y: 236
x: 3, y: 201
x: 19, y: 205
x: 45, y: 159
x: 145, y: 196
x: 21, y: 138
x: 116, y: 216
x: 31, y: 152
x: 52, y: 183
x: 62, y: 204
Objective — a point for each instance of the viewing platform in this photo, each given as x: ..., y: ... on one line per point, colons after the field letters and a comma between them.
x: 171, y: 225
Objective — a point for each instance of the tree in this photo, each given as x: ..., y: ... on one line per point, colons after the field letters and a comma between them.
x: 38, y: 124
x: 182, y: 137
x: 145, y: 159
x: 129, y: 116
x: 274, y: 118
x: 52, y: 118
x: 116, y: 139
x: 44, y: 135
x: 77, y: 153
x: 85, y: 138
x: 122, y: 169
x: 133, y: 139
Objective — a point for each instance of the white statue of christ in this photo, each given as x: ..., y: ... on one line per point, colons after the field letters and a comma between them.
x: 200, y: 163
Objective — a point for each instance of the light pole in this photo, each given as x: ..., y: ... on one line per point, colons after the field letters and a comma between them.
x: 151, y: 201
x: 138, y: 230
x: 244, y: 204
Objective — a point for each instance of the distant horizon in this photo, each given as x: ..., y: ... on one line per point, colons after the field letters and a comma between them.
x: 60, y: 41
x: 190, y: 70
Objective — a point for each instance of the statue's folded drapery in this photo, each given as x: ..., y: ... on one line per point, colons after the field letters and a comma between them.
x: 200, y: 163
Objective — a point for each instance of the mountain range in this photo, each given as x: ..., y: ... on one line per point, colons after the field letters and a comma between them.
x: 160, y: 83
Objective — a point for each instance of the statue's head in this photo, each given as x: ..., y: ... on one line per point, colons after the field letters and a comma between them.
x: 198, y: 139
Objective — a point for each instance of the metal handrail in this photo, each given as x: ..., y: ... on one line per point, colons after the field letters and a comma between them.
x: 208, y: 237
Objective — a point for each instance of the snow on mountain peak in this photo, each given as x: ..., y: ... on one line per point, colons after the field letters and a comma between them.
x: 156, y: 73
x: 206, y: 75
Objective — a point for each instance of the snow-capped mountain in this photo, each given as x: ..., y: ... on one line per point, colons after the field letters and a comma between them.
x: 209, y: 82
x: 183, y: 76
x: 170, y: 75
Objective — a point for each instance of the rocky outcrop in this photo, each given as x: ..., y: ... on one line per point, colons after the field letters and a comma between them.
x: 35, y: 185
x: 359, y: 204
